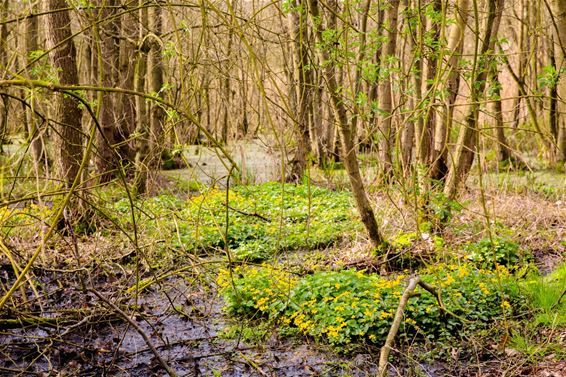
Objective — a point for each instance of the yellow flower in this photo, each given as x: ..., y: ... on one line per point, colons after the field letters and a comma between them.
x: 261, y: 304
x: 505, y: 305
x: 463, y: 272
x: 484, y: 289
x: 372, y: 337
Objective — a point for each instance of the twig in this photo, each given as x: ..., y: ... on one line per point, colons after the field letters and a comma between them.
x: 559, y: 300
x: 386, y: 349
x: 433, y: 291
x: 150, y: 345
x: 253, y: 364
x: 252, y: 214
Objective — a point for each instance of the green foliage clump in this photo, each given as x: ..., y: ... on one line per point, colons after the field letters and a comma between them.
x: 255, y: 290
x: 440, y: 210
x: 343, y: 306
x: 346, y: 306
x: 488, y: 253
x: 263, y: 219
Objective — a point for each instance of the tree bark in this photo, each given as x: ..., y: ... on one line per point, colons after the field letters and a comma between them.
x: 348, y: 147
x: 141, y: 144
x: 302, y: 87
x: 451, y: 78
x: 155, y: 71
x: 4, y: 103
x: 384, y: 92
x: 560, y: 21
x: 34, y: 131
x: 68, y: 135
x: 469, y: 132
x: 106, y: 161
x: 425, y: 133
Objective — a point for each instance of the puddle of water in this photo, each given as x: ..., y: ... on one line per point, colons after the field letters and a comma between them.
x: 257, y: 163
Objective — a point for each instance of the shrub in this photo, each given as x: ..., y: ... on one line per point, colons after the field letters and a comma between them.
x: 263, y: 219
x: 346, y: 306
x: 254, y: 291
x: 488, y: 253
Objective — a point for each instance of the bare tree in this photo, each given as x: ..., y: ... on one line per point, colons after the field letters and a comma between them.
x: 68, y: 132
x: 560, y: 22
x: 348, y: 150
x: 466, y: 146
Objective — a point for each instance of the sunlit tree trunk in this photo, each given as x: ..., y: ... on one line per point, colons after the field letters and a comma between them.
x: 302, y: 86
x: 348, y: 147
x: 385, y: 116
x: 68, y: 135
x: 560, y: 20
x: 469, y: 132
x: 430, y: 48
x: 502, y: 148
x: 410, y: 92
x: 450, y: 83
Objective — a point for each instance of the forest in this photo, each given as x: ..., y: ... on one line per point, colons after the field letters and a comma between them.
x: 283, y: 188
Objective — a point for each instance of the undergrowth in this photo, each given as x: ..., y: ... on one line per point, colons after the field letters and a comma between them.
x: 342, y: 307
x: 262, y: 219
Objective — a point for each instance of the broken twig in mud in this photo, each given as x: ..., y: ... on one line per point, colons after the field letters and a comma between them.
x: 386, y: 349
x: 407, y: 294
x: 140, y: 331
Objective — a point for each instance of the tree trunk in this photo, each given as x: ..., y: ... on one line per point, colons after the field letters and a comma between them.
x: 560, y: 19
x: 302, y: 86
x: 384, y: 92
x: 4, y: 110
x: 155, y: 71
x: 469, y: 132
x: 226, y: 82
x: 141, y: 144
x: 348, y: 147
x: 425, y: 133
x: 439, y: 163
x: 502, y: 148
x: 34, y: 131
x: 68, y: 115
x: 126, y: 105
x: 106, y: 161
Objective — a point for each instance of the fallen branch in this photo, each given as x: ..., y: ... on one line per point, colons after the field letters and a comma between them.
x: 251, y: 214
x: 433, y: 291
x: 407, y: 294
x: 140, y: 331
x: 386, y: 349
